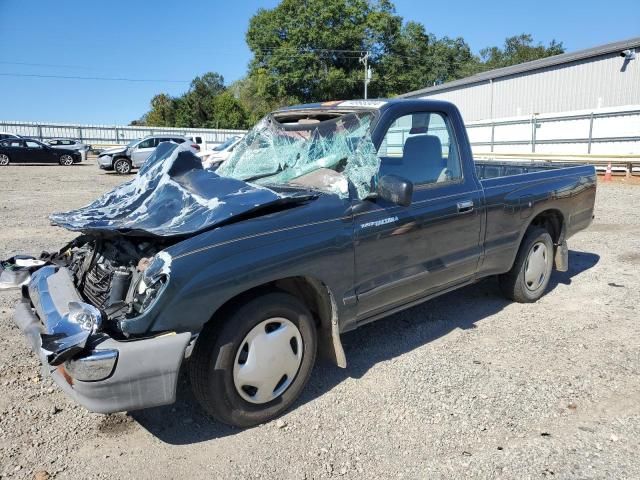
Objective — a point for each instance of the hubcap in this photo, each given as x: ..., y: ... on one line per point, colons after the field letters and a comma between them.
x: 535, y: 270
x: 268, y: 360
x: 66, y: 160
x: 4, y: 160
x: 122, y: 167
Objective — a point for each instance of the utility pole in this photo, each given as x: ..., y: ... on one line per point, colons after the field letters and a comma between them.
x: 367, y: 72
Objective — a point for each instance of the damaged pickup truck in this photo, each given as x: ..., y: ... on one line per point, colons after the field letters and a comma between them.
x: 325, y: 217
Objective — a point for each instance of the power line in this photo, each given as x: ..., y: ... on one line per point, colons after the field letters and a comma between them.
x: 75, y: 77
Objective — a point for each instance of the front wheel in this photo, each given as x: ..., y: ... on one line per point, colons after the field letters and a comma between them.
x: 66, y: 160
x: 251, y: 368
x: 122, y: 166
x: 4, y: 160
x: 527, y: 280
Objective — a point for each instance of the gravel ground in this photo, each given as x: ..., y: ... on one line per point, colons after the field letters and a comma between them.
x: 465, y: 386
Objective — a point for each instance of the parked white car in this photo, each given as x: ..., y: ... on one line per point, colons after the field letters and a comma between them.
x: 123, y: 159
x: 69, y: 144
x: 214, y: 157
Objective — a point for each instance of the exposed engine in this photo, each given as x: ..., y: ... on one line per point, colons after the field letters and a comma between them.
x: 109, y: 273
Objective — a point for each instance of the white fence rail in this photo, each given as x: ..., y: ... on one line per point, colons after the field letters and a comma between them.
x: 599, y: 132
x: 102, y: 135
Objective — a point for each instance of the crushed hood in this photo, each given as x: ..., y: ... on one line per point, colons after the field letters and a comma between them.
x: 172, y: 195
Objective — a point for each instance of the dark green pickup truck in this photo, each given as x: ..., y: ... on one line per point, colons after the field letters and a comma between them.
x: 325, y: 217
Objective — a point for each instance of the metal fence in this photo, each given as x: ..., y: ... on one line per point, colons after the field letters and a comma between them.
x: 612, y: 132
x: 597, y: 137
x: 105, y: 135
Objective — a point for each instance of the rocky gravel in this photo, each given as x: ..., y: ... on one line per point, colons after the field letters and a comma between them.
x: 468, y: 385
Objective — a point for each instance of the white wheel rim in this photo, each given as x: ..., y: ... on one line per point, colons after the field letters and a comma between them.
x: 66, y: 160
x: 268, y: 360
x: 122, y: 167
x: 535, y: 270
x: 4, y: 160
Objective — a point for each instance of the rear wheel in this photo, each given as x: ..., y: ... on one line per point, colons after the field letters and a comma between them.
x: 122, y: 166
x: 254, y: 366
x: 528, y: 278
x: 4, y: 160
x: 66, y: 160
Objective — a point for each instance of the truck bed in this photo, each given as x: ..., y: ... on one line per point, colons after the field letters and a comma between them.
x: 488, y: 169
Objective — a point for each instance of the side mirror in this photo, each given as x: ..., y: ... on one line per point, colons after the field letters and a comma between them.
x: 395, y: 189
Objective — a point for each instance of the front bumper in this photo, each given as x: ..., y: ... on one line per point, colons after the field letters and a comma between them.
x: 139, y: 373
x: 105, y: 162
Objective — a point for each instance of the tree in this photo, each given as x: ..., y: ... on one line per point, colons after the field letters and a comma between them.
x: 417, y: 59
x: 163, y: 111
x: 517, y: 49
x: 309, y: 50
x: 194, y: 109
x: 228, y: 112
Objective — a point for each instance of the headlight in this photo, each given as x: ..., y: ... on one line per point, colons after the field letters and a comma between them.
x: 154, y: 277
x: 86, y: 316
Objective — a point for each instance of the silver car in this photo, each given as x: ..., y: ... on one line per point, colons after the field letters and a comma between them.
x: 69, y: 144
x: 123, y: 159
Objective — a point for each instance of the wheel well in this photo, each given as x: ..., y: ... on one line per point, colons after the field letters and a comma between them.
x: 318, y: 299
x: 553, y: 222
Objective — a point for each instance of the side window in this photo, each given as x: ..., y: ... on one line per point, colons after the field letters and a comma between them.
x: 16, y: 143
x: 177, y: 140
x: 53, y: 142
x: 198, y: 140
x: 148, y: 143
x: 33, y: 144
x: 420, y: 147
x: 65, y: 142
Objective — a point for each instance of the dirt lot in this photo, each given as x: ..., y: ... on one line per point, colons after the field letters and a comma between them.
x: 465, y: 386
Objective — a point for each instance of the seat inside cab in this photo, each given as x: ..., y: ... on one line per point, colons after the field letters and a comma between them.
x: 419, y: 148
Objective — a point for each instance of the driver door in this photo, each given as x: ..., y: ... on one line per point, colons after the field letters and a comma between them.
x: 407, y: 253
x: 37, y: 153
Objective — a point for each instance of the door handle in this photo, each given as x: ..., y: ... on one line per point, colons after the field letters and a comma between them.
x: 465, y: 206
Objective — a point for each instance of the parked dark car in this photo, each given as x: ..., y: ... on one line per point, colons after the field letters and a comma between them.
x: 324, y: 218
x: 27, y: 150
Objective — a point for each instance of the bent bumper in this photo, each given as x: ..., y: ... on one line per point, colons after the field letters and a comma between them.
x: 134, y: 374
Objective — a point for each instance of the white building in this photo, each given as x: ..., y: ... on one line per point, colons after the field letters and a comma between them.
x: 578, y: 103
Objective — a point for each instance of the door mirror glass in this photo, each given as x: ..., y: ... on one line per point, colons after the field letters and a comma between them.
x: 395, y: 189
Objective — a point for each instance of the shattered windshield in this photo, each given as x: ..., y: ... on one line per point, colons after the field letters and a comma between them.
x: 326, y: 155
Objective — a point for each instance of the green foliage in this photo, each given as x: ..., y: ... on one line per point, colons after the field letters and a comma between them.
x: 517, y: 49
x: 228, y: 112
x: 309, y: 50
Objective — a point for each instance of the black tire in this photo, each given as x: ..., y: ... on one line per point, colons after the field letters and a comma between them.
x: 4, y: 160
x: 514, y: 284
x: 122, y: 166
x: 211, y: 366
x: 66, y: 160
